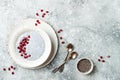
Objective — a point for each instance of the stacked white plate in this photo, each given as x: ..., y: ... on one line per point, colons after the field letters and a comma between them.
x: 46, y: 32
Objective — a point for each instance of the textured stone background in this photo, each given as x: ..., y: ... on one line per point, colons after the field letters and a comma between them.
x: 93, y: 26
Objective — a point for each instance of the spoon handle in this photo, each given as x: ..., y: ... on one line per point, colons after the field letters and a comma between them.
x: 66, y: 57
x: 58, y: 68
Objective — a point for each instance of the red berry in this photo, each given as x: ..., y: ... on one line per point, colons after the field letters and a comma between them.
x: 25, y: 57
x: 61, y: 30
x: 101, y: 57
x: 14, y: 68
x: 41, y: 10
x: 29, y: 55
x: 12, y: 73
x: 58, y: 31
x: 4, y: 69
x: 11, y: 66
x: 43, y: 16
x: 103, y: 60
x: 47, y: 11
x: 36, y: 24
x: 61, y: 37
x: 37, y: 20
x: 9, y: 69
x: 29, y: 36
x: 20, y: 51
x: 21, y: 55
x: 37, y: 14
x: 99, y: 60
x: 18, y: 47
x: 63, y: 42
x: 108, y: 56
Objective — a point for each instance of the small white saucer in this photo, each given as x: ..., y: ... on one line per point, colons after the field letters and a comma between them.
x: 46, y: 32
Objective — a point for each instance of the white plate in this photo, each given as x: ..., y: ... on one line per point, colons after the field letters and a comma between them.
x: 24, y: 62
x: 51, y: 33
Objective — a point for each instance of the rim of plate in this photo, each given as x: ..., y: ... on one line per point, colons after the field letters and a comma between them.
x: 23, y: 62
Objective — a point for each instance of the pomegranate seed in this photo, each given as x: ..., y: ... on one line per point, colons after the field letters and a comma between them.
x: 18, y: 47
x: 37, y: 14
x: 4, y: 69
x: 47, y: 11
x: 12, y: 73
x: 103, y: 60
x: 63, y: 42
x: 11, y: 66
x: 101, y: 57
x: 9, y: 69
x: 108, y: 56
x: 29, y: 55
x: 14, y: 68
x: 61, y: 37
x: 61, y: 30
x: 20, y: 51
x: 43, y: 16
x: 36, y: 24
x: 58, y: 31
x: 25, y: 56
x: 38, y: 21
x: 41, y: 10
x: 29, y: 36
x: 99, y: 60
x: 21, y: 54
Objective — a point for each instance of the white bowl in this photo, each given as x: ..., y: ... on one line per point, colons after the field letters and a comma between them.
x: 91, y: 69
x: 27, y: 63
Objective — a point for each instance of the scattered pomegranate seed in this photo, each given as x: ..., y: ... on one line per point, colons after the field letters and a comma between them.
x: 61, y: 37
x: 37, y: 14
x: 99, y: 60
x: 101, y: 57
x: 11, y: 66
x: 43, y: 16
x: 29, y: 36
x: 21, y: 54
x: 9, y: 69
x: 12, y: 73
x: 61, y: 30
x: 58, y: 31
x: 4, y: 69
x: 36, y: 24
x: 47, y: 11
x: 103, y: 60
x: 14, y: 68
x: 38, y: 21
x: 29, y: 55
x: 63, y: 42
x: 41, y: 10
x: 108, y: 56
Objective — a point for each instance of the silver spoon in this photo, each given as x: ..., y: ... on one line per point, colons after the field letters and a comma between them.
x: 69, y: 48
x: 72, y: 56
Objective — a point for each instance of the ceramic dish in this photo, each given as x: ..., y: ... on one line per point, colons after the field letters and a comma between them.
x: 52, y: 35
x: 91, y: 66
